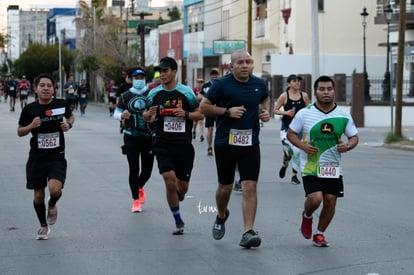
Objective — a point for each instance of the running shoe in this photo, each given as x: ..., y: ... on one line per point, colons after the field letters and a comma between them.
x: 142, y: 196
x: 52, y: 213
x: 201, y: 138
x: 194, y: 135
x: 136, y: 206
x: 219, y: 228
x: 179, y: 228
x: 42, y: 233
x: 320, y: 241
x: 210, y: 151
x: 295, y: 180
x: 282, y: 172
x: 250, y: 239
x: 237, y: 186
x: 306, y: 226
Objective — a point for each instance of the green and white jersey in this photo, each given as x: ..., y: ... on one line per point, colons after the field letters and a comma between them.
x: 324, y: 131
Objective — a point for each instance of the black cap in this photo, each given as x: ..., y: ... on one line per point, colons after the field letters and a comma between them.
x: 293, y: 77
x: 166, y: 63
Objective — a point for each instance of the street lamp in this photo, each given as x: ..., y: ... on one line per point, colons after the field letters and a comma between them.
x: 387, y: 91
x: 364, y: 15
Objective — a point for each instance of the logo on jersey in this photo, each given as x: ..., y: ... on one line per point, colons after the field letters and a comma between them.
x: 327, y: 128
x: 55, y: 112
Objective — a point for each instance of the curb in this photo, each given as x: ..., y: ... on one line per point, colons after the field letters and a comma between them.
x: 400, y: 147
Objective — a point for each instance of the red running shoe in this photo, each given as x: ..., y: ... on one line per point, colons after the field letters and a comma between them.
x: 142, y: 196
x: 306, y: 227
x: 136, y: 206
x: 320, y: 241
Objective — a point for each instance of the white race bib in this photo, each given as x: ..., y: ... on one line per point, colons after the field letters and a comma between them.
x: 23, y: 92
x: 240, y: 137
x: 48, y: 141
x: 83, y: 95
x: 328, y: 170
x: 174, y: 124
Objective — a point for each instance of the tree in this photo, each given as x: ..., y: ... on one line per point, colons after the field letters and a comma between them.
x: 102, y: 51
x: 174, y: 14
x: 42, y: 59
x: 3, y: 41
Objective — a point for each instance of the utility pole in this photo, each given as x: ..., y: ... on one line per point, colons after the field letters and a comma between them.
x: 249, y: 26
x: 400, y: 68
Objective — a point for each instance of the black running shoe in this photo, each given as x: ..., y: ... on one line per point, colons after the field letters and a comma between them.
x: 250, y: 239
x: 179, y: 228
x: 295, y: 180
x: 237, y: 186
x: 282, y: 172
x: 218, y: 228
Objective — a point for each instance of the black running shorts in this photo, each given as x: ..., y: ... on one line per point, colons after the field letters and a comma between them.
x: 176, y: 157
x: 246, y: 157
x: 40, y: 170
x: 313, y: 184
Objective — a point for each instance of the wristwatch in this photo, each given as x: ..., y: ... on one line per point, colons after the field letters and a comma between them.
x: 226, y: 112
x: 70, y: 125
x: 348, y: 148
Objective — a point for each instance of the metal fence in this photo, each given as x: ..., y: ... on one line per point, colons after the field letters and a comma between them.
x: 376, y: 90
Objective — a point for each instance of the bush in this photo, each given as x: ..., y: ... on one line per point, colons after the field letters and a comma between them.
x: 393, y: 138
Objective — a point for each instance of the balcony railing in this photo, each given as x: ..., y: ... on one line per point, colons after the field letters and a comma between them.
x: 381, y: 5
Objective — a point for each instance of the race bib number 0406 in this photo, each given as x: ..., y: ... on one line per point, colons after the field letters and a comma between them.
x: 174, y: 124
x: 240, y: 137
x: 48, y: 141
x: 328, y: 170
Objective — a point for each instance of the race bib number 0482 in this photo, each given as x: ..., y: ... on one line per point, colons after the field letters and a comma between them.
x: 328, y: 170
x: 240, y: 137
x: 48, y: 141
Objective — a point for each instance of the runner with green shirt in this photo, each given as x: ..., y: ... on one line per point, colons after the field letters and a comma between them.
x: 321, y: 126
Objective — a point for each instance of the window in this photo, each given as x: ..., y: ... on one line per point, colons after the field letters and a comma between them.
x: 321, y: 5
x: 195, y: 18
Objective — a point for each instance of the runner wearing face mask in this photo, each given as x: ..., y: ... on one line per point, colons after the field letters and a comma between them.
x: 137, y: 136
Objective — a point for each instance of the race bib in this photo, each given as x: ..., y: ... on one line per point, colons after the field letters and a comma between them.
x: 11, y: 88
x: 328, y: 170
x: 112, y: 94
x: 83, y: 95
x: 23, y: 92
x: 48, y: 141
x: 174, y: 124
x: 240, y: 137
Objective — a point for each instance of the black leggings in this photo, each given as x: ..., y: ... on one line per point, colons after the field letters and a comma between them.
x: 136, y: 149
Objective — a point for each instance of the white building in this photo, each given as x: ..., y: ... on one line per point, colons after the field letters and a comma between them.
x: 23, y: 28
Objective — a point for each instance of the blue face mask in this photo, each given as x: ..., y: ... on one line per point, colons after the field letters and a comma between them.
x: 138, y: 83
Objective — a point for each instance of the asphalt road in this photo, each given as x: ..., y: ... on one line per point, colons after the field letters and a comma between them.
x: 372, y: 232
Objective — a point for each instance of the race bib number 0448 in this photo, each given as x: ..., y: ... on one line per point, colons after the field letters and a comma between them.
x: 328, y: 170
x: 240, y: 137
x: 48, y: 141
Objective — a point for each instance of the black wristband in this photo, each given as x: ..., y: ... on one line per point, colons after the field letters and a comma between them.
x: 187, y: 114
x: 226, y: 112
x: 348, y: 148
x: 70, y: 125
